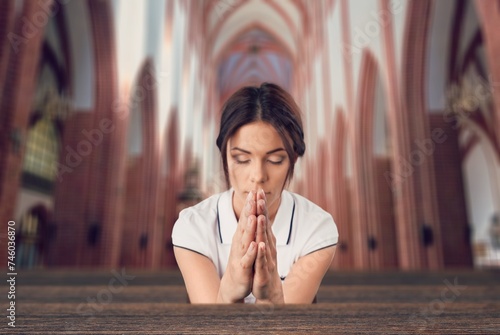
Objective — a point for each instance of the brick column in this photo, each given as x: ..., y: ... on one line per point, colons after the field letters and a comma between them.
x: 489, y: 15
x: 421, y: 159
x: 359, y: 245
x: 108, y: 169
x: 363, y: 169
x: 141, y: 219
x: 19, y: 81
x: 7, y: 16
x: 341, y: 194
x: 401, y: 178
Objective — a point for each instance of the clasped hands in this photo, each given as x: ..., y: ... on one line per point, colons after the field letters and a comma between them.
x: 252, y: 264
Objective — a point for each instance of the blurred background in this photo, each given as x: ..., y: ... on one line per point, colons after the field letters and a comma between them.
x: 110, y: 111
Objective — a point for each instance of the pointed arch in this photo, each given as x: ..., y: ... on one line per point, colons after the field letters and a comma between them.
x: 140, y: 229
x: 374, y: 210
x: 414, y: 97
x: 286, y: 38
x: 281, y: 46
x: 363, y: 179
x: 342, y: 193
x: 106, y: 171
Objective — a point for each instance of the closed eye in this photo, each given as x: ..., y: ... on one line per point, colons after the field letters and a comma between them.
x: 276, y: 159
x: 240, y: 160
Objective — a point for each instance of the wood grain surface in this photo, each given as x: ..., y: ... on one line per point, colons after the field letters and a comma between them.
x: 90, y: 302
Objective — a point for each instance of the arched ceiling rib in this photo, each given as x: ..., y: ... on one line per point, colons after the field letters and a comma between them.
x: 254, y: 40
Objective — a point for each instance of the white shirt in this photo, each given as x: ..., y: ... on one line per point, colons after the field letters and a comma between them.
x: 300, y: 227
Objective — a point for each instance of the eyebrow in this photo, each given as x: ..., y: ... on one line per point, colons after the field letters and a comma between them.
x: 267, y: 153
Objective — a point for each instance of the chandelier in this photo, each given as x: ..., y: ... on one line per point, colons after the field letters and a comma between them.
x: 468, y: 95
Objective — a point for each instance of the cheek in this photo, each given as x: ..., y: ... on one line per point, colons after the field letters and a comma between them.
x: 236, y: 172
x: 281, y: 173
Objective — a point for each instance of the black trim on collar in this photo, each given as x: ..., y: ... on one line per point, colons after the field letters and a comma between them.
x: 291, y: 223
x: 218, y: 221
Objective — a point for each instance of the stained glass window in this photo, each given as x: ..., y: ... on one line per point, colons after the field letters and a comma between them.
x: 42, y: 149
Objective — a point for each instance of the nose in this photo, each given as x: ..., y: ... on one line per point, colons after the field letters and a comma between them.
x: 259, y: 174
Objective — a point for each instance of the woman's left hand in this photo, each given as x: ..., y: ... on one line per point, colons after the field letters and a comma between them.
x: 267, y: 285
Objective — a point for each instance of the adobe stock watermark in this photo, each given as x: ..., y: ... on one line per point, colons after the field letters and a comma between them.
x: 416, y: 158
x: 257, y: 317
x: 104, y: 297
x: 92, y: 139
x: 465, y: 98
x: 72, y: 157
x: 462, y: 102
x: 301, y: 273
x: 222, y: 6
x: 31, y: 26
x: 426, y: 317
x: 371, y: 29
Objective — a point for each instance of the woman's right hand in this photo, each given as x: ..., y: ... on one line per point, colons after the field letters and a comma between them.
x: 237, y: 281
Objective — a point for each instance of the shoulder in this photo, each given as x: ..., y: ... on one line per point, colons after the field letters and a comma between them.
x: 201, y: 209
x: 199, y: 218
x: 196, y: 226
x: 315, y: 228
x: 307, y: 209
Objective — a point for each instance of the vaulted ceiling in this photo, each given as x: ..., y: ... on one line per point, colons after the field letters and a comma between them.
x: 251, y: 41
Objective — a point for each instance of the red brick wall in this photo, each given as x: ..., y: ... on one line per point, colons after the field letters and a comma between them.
x: 71, y: 216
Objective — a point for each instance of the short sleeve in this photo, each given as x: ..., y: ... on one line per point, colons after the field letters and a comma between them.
x: 320, y: 231
x: 190, y: 232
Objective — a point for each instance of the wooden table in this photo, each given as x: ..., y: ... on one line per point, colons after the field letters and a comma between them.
x: 69, y: 302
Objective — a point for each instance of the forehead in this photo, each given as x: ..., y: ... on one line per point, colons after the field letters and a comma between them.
x: 257, y: 135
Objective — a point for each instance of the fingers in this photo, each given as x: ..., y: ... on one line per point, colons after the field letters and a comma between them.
x: 261, y: 234
x: 248, y: 259
x: 261, y: 266
x: 248, y: 209
x: 262, y: 210
x: 249, y: 232
x: 261, y: 203
x: 265, y: 235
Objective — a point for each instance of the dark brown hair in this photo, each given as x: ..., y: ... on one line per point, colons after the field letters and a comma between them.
x: 268, y: 103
